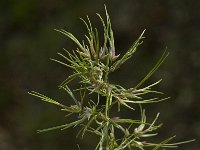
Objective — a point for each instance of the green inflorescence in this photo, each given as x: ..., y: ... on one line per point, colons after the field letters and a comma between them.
x: 91, y: 64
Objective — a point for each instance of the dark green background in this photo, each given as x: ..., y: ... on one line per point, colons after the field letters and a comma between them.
x: 27, y: 41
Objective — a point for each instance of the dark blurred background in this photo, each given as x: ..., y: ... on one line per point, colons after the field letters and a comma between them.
x: 27, y: 41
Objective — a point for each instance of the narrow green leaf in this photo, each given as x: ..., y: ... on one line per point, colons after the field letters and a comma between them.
x: 157, y: 65
x: 128, y: 54
x: 45, y: 98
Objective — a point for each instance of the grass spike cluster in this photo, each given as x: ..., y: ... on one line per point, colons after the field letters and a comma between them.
x: 91, y: 63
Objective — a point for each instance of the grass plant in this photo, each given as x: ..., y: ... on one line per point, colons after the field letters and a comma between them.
x: 91, y: 63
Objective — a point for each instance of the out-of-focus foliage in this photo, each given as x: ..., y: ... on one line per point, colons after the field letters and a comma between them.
x: 27, y: 40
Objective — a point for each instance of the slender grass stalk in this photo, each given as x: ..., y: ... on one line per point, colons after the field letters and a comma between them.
x: 92, y: 63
